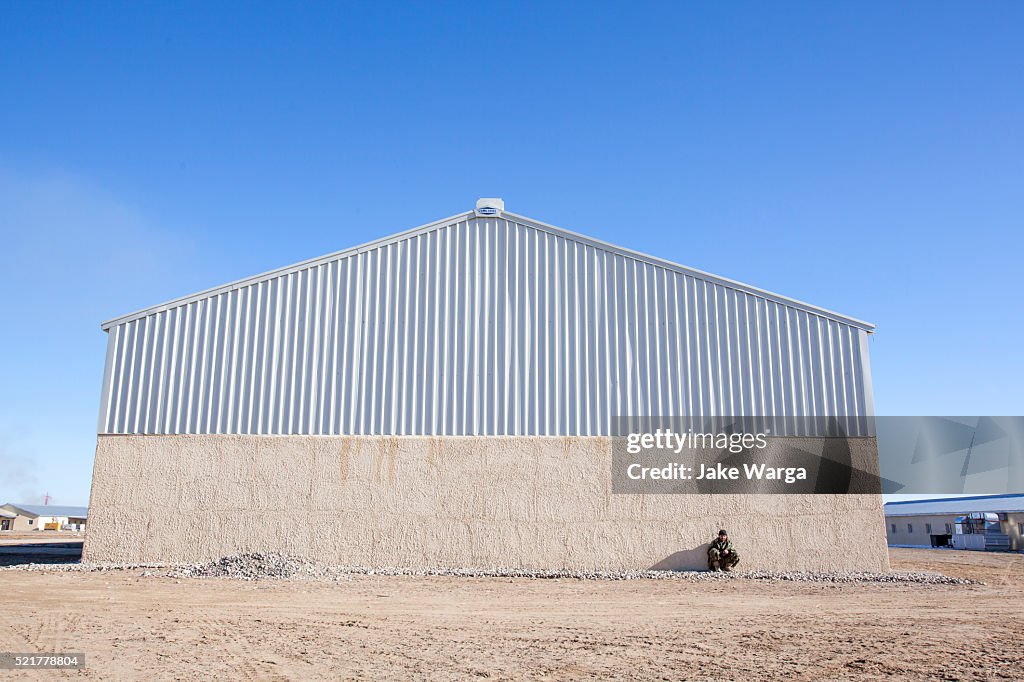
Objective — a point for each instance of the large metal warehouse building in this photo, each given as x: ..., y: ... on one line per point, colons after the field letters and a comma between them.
x: 444, y: 398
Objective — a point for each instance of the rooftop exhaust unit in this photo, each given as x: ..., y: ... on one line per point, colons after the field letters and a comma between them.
x: 489, y: 207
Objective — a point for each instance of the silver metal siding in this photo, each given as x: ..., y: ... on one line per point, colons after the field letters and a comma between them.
x: 482, y: 326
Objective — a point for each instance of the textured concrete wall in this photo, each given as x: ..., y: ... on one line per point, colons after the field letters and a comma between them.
x: 412, y: 501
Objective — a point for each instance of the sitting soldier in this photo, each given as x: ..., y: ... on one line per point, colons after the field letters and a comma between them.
x: 722, y: 556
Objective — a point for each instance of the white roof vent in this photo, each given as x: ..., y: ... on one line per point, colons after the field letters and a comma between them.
x: 489, y: 207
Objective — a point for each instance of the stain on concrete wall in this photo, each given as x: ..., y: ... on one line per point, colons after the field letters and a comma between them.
x: 448, y: 501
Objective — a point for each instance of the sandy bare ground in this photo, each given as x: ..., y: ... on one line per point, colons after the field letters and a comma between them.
x: 133, y: 627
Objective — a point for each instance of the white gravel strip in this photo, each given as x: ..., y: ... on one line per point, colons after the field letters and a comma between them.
x: 272, y: 565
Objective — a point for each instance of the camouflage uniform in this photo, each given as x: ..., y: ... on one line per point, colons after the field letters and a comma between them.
x: 715, y: 554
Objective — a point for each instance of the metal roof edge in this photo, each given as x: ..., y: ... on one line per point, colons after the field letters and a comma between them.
x: 536, y: 224
x: 28, y: 510
x: 958, y: 512
x: 965, y: 498
x: 277, y: 272
x: 717, y: 279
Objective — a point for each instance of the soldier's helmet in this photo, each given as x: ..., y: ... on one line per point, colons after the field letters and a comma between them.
x: 721, y: 533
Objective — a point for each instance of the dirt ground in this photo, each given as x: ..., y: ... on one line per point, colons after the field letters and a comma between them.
x: 133, y: 627
x: 30, y: 537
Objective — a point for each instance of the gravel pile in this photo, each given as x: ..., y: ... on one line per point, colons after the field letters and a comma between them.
x: 254, y: 566
x: 273, y: 565
x: 922, y: 578
x: 918, y: 577
x: 76, y: 566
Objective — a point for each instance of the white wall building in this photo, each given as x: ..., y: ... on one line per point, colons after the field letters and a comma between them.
x: 46, y: 517
x: 984, y: 522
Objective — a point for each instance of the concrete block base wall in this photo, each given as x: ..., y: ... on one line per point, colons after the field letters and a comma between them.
x: 433, y: 502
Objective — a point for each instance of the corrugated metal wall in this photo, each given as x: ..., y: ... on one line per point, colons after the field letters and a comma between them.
x: 481, y: 326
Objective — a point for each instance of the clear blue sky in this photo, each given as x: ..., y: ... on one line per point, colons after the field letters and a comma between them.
x: 865, y: 157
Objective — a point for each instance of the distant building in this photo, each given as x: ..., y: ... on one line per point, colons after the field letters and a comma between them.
x: 987, y: 522
x: 22, y: 517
